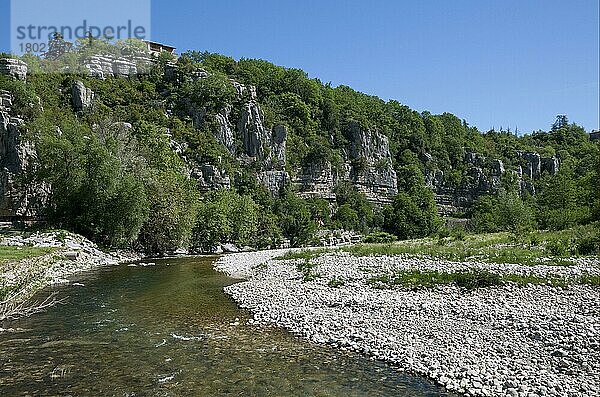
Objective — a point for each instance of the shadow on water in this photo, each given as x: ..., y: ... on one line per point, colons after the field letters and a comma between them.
x: 169, y: 330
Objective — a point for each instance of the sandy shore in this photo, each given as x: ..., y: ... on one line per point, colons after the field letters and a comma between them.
x: 509, y: 340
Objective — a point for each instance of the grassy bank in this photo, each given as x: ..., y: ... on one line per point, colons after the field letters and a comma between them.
x: 10, y: 254
x: 527, y: 248
x: 415, y: 279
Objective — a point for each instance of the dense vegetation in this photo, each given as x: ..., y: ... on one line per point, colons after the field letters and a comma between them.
x: 116, y: 179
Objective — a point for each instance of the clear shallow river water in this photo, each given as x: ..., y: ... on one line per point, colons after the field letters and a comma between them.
x: 169, y: 330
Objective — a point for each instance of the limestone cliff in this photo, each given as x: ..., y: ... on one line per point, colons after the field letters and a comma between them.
x: 484, y: 176
x: 18, y: 196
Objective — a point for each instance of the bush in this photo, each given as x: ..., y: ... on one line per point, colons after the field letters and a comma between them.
x: 504, y: 212
x: 379, y: 238
x: 558, y: 247
x: 228, y: 217
x: 173, y: 202
x: 296, y: 220
x: 589, y: 245
x: 94, y: 190
x: 412, y: 216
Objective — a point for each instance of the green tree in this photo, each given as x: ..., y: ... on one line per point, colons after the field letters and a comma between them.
x: 296, y: 220
x: 173, y: 202
x: 413, y: 212
x: 562, y: 202
x: 94, y: 191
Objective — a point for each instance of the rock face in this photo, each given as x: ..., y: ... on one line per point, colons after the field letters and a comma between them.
x: 252, y: 131
x: 18, y: 199
x: 551, y: 165
x: 367, y: 165
x: 278, y: 142
x: 317, y: 180
x: 81, y: 96
x: 241, y: 129
x: 533, y: 165
x: 372, y: 171
x: 483, y: 176
x: 225, y: 133
x: 103, y: 66
x: 14, y: 68
x: 210, y: 177
x: 274, y: 181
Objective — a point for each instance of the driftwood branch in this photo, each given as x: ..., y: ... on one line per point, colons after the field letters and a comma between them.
x: 14, y: 308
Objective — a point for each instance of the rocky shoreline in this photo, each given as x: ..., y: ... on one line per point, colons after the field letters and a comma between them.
x: 507, y: 340
x: 71, y: 254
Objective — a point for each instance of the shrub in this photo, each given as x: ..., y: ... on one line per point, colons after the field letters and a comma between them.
x: 557, y: 247
x: 588, y: 244
x: 379, y: 238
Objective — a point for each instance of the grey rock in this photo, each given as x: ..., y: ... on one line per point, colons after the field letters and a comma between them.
x: 81, y: 96
x: 551, y: 165
x: 274, y: 181
x: 18, y: 159
x: 532, y: 165
x: 229, y: 248
x: 108, y: 65
x: 278, y: 147
x: 475, y: 159
x: 210, y: 177
x: 252, y: 131
x: 14, y: 68
x: 497, y: 167
x: 372, y: 172
x: 224, y: 132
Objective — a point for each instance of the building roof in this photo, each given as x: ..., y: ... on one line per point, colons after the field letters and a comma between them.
x: 159, y: 44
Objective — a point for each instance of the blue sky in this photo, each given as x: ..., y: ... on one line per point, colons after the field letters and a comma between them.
x: 503, y: 63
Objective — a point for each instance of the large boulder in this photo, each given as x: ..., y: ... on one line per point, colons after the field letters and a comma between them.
x: 81, y: 96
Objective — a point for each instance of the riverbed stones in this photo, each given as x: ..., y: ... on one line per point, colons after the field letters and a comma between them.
x: 498, y: 341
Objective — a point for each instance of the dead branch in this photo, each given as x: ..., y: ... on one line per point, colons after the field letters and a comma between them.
x: 13, y: 309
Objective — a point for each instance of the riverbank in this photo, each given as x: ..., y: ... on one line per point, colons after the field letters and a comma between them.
x: 35, y: 261
x: 527, y: 337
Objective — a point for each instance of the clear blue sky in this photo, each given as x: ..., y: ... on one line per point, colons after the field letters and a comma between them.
x: 509, y: 63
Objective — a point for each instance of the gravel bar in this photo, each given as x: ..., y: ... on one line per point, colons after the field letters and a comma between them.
x: 509, y: 340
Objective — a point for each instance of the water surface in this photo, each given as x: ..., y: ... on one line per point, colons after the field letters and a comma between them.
x: 169, y: 330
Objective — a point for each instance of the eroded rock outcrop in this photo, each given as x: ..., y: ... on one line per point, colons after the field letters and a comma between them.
x: 372, y: 172
x: 81, y: 96
x: 483, y: 176
x: 14, y: 68
x: 103, y: 66
x: 19, y: 197
x: 210, y: 177
x: 224, y: 134
x: 317, y: 180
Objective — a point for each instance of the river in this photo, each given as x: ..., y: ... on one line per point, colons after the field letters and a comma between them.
x: 169, y: 330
